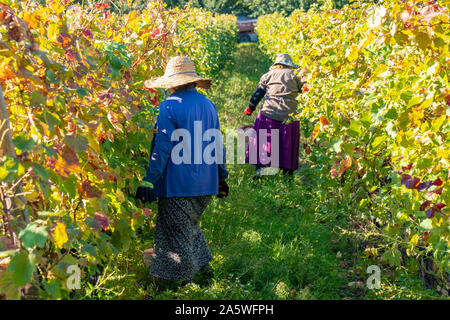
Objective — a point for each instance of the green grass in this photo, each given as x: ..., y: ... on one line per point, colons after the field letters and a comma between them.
x: 274, y: 239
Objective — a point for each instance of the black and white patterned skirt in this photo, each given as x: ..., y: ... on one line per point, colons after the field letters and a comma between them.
x: 180, y: 248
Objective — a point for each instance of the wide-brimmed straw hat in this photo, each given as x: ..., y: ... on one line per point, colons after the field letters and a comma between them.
x: 286, y: 60
x: 179, y: 71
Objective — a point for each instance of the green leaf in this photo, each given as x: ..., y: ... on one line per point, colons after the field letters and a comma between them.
x: 82, y: 92
x: 413, y: 101
x: 52, y: 120
x: 422, y: 39
x: 49, y: 152
x: 76, y: 142
x: 34, y: 235
x: 40, y: 171
x: 4, y: 254
x: 348, y: 148
x: 401, y: 38
x: 70, y: 186
x: 146, y: 184
x: 391, y: 114
x: 406, y: 96
x: 52, y: 77
x: 354, y: 130
x: 377, y: 142
x: 22, y: 268
x: 427, y: 224
x: 37, y: 99
x: 52, y: 288
x: 426, y: 103
x: 439, y: 42
x: 424, y: 163
x: 60, y: 103
x: 24, y: 144
x: 45, y: 188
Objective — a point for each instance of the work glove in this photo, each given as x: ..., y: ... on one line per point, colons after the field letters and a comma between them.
x: 223, y: 190
x: 145, y: 194
x: 248, y: 111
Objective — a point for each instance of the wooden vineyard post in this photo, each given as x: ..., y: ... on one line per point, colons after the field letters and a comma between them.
x: 14, y: 207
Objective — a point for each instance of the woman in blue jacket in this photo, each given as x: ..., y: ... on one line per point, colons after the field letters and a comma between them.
x: 184, y: 179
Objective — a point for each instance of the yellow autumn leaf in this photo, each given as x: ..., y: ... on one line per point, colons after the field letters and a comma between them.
x: 315, y: 132
x: 416, y: 115
x: 120, y: 195
x: 60, y: 235
x: 53, y: 32
x: 31, y: 19
x: 347, y: 163
x: 352, y: 53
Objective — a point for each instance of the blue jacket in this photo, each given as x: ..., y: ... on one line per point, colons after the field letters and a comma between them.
x: 193, y: 112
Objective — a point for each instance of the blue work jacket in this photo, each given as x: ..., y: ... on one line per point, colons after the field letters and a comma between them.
x: 179, y: 164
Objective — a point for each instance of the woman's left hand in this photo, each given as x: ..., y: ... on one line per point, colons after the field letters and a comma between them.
x: 145, y: 194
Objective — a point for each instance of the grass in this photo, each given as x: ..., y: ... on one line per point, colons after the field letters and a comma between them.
x: 273, y: 239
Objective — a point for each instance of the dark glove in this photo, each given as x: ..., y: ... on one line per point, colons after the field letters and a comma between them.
x: 248, y: 111
x: 145, y: 194
x: 223, y: 190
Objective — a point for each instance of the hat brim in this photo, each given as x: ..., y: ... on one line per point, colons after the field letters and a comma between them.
x: 293, y: 65
x: 172, y: 82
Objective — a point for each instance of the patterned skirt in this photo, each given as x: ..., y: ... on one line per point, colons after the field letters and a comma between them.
x: 180, y: 248
x: 288, y: 143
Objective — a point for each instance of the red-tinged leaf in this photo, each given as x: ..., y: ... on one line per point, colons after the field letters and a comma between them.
x: 147, y: 212
x: 7, y: 243
x: 101, y: 221
x: 408, y: 167
x: 308, y: 150
x: 424, y: 186
x: 102, y: 6
x: 439, y: 206
x: 90, y: 191
x: 156, y: 34
x: 334, y: 170
x: 126, y: 113
x: 430, y: 213
x: 436, y: 208
x: 436, y: 191
x: 70, y: 55
x: 66, y: 163
x: 64, y: 39
x: 100, y: 174
x: 324, y: 121
x: 410, y: 182
x: 405, y: 177
x: 424, y: 205
x: 438, y: 182
x: 305, y: 88
x: 87, y: 33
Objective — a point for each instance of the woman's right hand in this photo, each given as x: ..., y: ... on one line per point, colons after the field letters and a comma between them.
x: 248, y: 111
x: 223, y: 190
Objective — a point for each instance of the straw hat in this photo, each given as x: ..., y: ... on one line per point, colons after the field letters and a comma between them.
x: 179, y: 71
x: 286, y: 60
